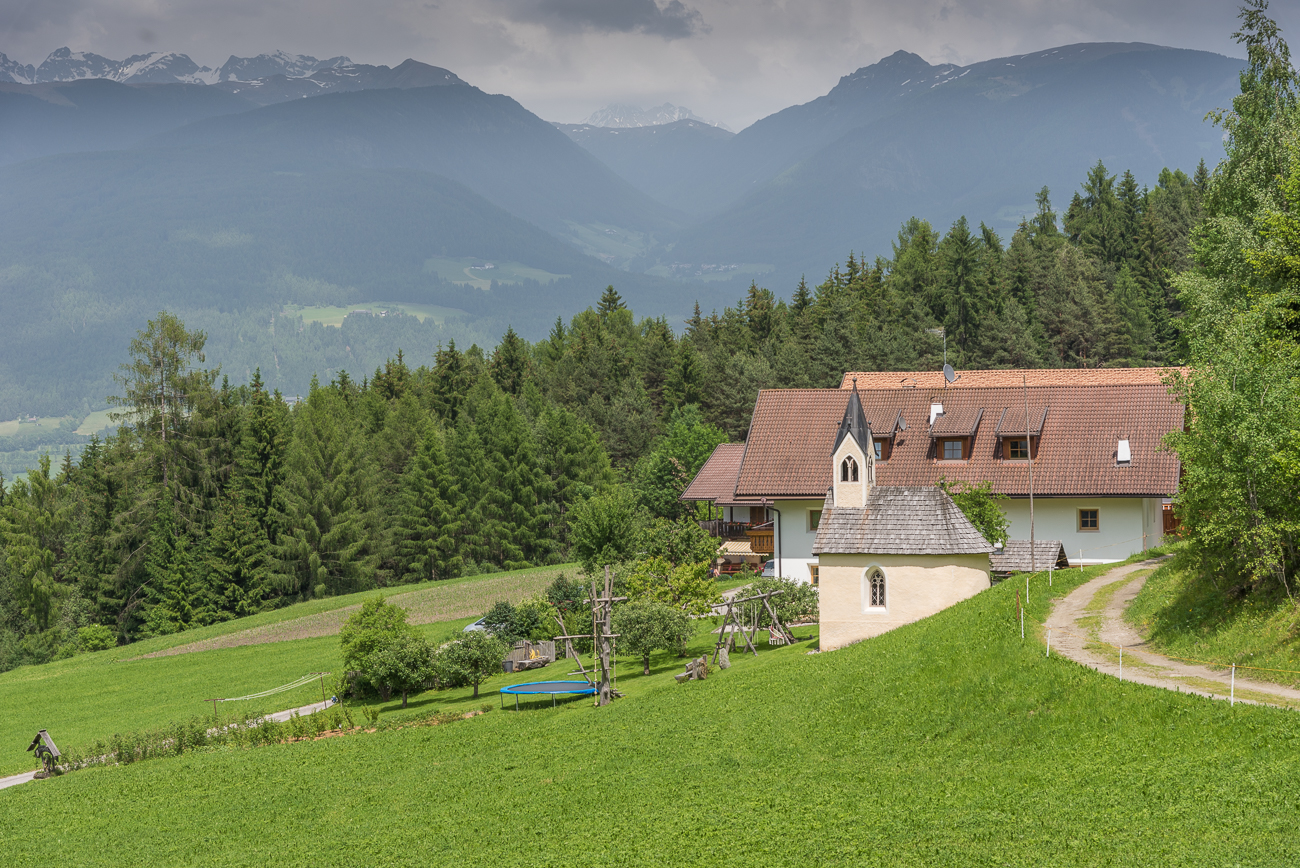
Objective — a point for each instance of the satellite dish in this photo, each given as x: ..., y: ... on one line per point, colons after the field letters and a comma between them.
x: 949, y: 374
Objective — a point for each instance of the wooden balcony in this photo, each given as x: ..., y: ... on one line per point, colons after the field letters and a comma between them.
x: 719, y: 529
x: 760, y: 539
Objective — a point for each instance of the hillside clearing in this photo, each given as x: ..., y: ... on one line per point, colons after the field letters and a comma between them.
x: 947, y: 742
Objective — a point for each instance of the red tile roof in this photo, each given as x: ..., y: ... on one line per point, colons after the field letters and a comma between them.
x: 790, y: 438
x: 986, y: 379
x: 717, y: 478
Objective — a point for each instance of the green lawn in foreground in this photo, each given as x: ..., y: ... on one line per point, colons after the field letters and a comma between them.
x: 96, y: 695
x: 1181, y: 615
x: 947, y: 742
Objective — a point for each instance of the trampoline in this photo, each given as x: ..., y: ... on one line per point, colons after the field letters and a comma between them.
x: 582, y: 688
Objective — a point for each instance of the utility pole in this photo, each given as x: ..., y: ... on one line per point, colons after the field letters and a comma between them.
x: 1029, y: 448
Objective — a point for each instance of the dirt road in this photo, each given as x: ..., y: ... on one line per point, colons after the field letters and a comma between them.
x: 1088, y: 627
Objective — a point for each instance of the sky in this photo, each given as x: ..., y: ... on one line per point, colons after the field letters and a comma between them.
x: 733, y: 61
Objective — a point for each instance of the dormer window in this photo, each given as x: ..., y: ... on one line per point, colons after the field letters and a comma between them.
x: 952, y: 450
x: 1017, y: 450
x: 848, y: 470
x: 879, y: 452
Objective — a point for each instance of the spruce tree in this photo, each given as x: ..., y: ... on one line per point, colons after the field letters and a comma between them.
x: 429, y: 522
x: 328, y: 533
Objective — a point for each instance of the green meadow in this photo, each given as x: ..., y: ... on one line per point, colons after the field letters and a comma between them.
x: 947, y: 742
x: 334, y: 315
x: 1182, y: 614
x: 480, y: 273
x: 93, y: 696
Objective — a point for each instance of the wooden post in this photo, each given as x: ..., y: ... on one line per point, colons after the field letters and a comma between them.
x: 215, y: 720
x: 603, y: 696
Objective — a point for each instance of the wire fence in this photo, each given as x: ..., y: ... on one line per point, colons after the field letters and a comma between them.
x: 306, y: 679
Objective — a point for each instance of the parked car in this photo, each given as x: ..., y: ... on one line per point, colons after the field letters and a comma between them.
x: 769, y: 569
x: 477, y: 625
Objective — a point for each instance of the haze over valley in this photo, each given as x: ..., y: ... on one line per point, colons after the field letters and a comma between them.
x: 242, y: 196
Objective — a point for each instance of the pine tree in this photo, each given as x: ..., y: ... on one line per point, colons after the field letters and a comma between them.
x: 328, y: 533
x: 1045, y: 220
x: 610, y: 301
x: 430, y: 526
x: 175, y: 598
x: 238, y: 561
x: 516, y: 504
x: 510, y: 366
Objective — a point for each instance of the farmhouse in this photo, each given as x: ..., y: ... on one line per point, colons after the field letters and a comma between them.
x: 1101, y: 482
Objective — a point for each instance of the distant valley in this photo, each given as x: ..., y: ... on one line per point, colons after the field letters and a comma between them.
x: 237, y: 195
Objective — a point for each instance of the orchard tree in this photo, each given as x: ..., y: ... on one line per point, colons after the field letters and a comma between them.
x: 400, y: 663
x: 471, y: 660
x: 647, y: 625
x: 378, y: 623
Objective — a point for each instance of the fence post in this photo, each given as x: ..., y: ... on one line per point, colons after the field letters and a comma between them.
x: 1049, y: 576
x: 1020, y: 610
x: 1232, y: 690
x: 1049, y: 643
x: 1121, y: 662
x: 1080, y: 560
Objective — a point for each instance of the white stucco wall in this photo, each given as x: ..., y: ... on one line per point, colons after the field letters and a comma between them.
x: 796, y: 540
x: 1127, y: 525
x: 916, y: 586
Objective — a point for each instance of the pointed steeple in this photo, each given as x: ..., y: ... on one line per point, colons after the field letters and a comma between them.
x: 854, y: 423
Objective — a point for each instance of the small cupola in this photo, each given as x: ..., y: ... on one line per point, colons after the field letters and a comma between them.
x: 853, y: 463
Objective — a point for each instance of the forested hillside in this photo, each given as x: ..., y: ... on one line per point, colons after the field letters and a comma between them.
x: 216, y: 500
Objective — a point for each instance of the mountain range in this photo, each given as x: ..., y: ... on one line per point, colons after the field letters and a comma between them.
x: 618, y: 115
x: 227, y: 194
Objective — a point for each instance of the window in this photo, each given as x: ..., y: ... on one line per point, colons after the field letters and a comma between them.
x: 879, y: 451
x: 848, y: 470
x: 951, y: 450
x: 1017, y: 450
x: 814, y: 519
x: 875, y: 589
x: 1089, y: 520
x: 812, y: 573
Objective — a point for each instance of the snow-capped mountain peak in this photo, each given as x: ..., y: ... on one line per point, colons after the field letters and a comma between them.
x: 617, y: 115
x: 275, y: 63
x: 12, y: 70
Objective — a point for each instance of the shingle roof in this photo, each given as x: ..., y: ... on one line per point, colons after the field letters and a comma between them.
x: 717, y: 478
x: 987, y: 379
x: 789, y: 447
x: 1014, y: 556
x: 899, y: 521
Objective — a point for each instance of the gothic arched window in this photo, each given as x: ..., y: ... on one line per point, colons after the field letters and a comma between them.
x: 848, y: 470
x: 875, y: 588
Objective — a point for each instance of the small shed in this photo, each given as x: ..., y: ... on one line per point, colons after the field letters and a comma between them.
x: 1014, y: 557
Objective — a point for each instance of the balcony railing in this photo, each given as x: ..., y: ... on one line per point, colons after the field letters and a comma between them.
x: 719, y: 529
x: 760, y: 539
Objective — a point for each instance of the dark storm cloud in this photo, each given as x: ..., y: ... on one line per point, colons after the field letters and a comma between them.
x: 673, y: 20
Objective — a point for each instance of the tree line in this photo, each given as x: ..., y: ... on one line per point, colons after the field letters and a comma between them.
x: 214, y: 501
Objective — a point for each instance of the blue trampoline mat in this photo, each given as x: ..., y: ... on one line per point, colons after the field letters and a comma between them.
x: 580, y: 687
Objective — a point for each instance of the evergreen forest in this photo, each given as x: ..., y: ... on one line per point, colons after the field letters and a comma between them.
x: 214, y: 500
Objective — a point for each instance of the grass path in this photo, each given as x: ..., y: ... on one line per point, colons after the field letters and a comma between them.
x: 1088, y: 627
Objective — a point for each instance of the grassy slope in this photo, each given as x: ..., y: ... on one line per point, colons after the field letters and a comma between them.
x: 95, y: 695
x: 948, y: 742
x: 1189, y: 618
